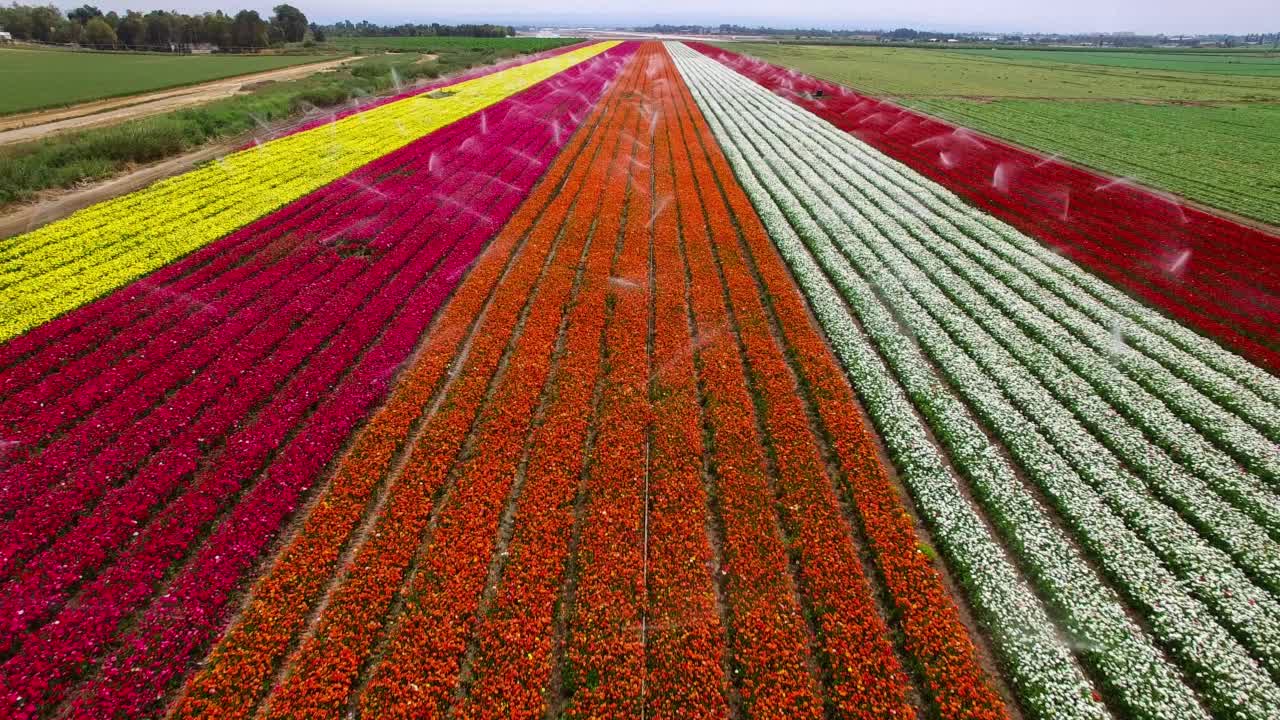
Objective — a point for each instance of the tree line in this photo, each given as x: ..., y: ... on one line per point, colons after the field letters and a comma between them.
x: 364, y: 28
x: 155, y: 30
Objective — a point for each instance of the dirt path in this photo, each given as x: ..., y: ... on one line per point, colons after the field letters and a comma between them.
x: 34, y: 125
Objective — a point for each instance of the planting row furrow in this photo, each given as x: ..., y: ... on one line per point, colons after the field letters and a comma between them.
x: 237, y: 674
x: 68, y: 263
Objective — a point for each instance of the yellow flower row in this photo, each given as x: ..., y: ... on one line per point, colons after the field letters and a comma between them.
x: 66, y: 264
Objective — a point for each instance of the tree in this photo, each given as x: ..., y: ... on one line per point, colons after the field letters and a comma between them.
x: 84, y: 14
x: 291, y: 21
x: 216, y: 29
x: 132, y: 32
x: 317, y: 33
x: 159, y: 28
x: 45, y: 22
x: 98, y: 34
x: 249, y: 30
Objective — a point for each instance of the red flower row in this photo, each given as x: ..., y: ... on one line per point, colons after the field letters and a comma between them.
x: 1214, y: 274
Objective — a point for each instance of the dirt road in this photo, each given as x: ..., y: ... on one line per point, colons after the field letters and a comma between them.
x: 35, y: 125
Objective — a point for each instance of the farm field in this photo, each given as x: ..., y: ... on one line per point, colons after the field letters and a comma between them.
x: 639, y: 379
x: 1202, y: 126
x: 38, y: 79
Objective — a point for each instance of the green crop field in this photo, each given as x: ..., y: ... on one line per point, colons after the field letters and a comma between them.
x: 36, y: 79
x: 434, y: 44
x: 1203, y: 125
x: 1226, y: 63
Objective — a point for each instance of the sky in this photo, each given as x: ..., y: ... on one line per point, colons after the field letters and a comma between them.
x: 1142, y: 16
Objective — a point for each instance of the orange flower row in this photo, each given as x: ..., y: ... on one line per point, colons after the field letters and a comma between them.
x: 605, y: 652
x: 417, y: 675
x: 515, y: 640
x: 865, y: 678
x: 687, y: 638
x: 238, y: 673
x: 326, y: 668
x: 770, y: 640
x: 936, y: 639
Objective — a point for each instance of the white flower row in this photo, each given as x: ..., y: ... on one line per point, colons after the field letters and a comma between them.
x: 1234, y: 680
x: 1249, y: 435
x: 1250, y: 611
x: 975, y: 292
x: 1094, y: 360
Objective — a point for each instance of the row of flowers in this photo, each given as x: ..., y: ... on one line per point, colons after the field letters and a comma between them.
x: 418, y: 671
x: 63, y: 265
x: 1202, y: 268
x: 1042, y: 670
x: 320, y: 674
x: 937, y: 641
x: 70, y: 335
x: 863, y: 675
x: 515, y: 632
x: 205, y: 387
x: 108, y: 424
x: 854, y: 242
x: 348, y: 332
x: 686, y: 635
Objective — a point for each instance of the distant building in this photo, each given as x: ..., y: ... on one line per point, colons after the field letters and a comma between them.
x: 5, y: 37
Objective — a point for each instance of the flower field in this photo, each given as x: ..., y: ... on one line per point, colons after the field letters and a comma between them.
x: 1181, y: 260
x: 623, y: 381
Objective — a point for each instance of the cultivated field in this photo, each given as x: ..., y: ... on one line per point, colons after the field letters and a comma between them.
x: 1202, y: 125
x: 38, y: 79
x: 639, y: 379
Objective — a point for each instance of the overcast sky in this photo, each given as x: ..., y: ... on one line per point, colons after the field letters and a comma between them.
x: 1143, y: 16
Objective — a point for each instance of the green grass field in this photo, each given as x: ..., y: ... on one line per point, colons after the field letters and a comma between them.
x: 1193, y: 123
x: 436, y: 44
x: 37, y: 79
x: 1225, y: 63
